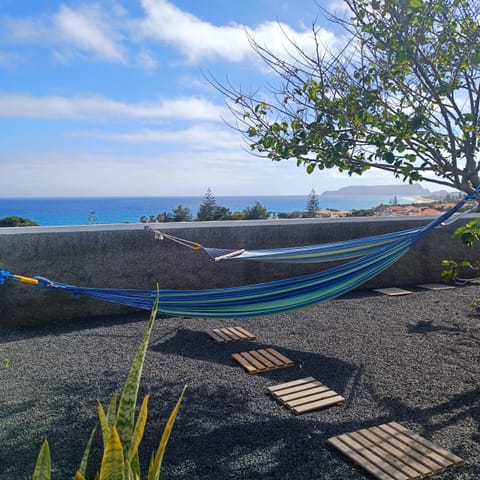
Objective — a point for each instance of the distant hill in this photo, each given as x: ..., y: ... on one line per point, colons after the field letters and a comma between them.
x: 414, y: 190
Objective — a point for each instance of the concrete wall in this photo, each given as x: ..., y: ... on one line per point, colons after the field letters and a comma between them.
x: 128, y: 256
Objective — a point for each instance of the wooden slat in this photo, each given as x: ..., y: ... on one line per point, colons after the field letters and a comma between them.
x: 242, y: 333
x: 265, y: 360
x: 246, y: 364
x: 215, y: 336
x: 358, y: 459
x: 426, y: 443
x: 396, y: 439
x: 393, y: 450
x: 414, y: 459
x: 404, y: 471
x: 442, y: 463
x: 320, y: 390
x: 230, y: 334
x: 436, y: 286
x: 327, y: 402
x: 222, y: 334
x: 370, y: 458
x: 279, y: 356
x: 305, y: 395
x: 393, y: 291
x: 298, y: 388
x: 294, y: 383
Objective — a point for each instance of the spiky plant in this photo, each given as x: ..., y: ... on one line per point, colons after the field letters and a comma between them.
x: 120, y: 432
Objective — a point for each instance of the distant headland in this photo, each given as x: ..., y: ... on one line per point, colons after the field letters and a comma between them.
x: 414, y: 190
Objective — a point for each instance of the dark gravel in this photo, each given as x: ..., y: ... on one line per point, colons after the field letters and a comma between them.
x: 412, y: 359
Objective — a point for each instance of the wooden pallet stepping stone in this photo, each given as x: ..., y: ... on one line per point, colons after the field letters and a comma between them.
x: 472, y: 281
x: 393, y: 291
x: 264, y: 360
x: 305, y: 395
x: 230, y: 334
x: 392, y: 452
x: 436, y: 286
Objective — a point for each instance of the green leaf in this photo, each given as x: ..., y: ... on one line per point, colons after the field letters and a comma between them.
x: 112, y: 410
x: 155, y: 467
x: 139, y: 429
x: 113, y: 463
x: 389, y: 157
x: 416, y: 3
x: 82, y: 469
x: 43, y: 467
x: 128, y: 399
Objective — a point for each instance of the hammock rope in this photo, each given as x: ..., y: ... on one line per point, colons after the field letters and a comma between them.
x: 262, y: 298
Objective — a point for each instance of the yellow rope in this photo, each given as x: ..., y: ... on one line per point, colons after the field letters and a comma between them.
x: 31, y: 281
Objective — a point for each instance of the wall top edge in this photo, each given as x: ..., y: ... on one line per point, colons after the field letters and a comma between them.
x: 215, y: 224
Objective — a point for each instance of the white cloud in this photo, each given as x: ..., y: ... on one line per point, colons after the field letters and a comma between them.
x: 338, y: 7
x: 88, y: 29
x: 198, y: 40
x: 147, y: 60
x: 101, y: 108
x: 197, y: 137
x: 188, y: 172
x: 91, y: 30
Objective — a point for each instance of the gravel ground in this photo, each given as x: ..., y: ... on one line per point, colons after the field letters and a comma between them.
x: 411, y: 359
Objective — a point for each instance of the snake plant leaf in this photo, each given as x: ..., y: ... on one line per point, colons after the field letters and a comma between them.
x: 113, y: 463
x: 112, y: 410
x: 79, y: 476
x: 106, y: 429
x: 135, y: 467
x: 128, y: 399
x: 82, y: 469
x: 138, y: 430
x: 154, y: 472
x: 43, y: 467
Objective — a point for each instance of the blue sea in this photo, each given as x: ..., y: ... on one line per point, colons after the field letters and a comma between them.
x: 110, y: 210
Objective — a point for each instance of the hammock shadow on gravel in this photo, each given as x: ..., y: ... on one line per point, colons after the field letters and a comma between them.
x: 221, y: 431
x: 425, y: 327
x: 224, y: 436
x: 196, y: 345
x: 87, y: 324
x: 217, y: 435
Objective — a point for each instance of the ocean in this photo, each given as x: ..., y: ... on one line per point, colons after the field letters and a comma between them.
x: 111, y: 210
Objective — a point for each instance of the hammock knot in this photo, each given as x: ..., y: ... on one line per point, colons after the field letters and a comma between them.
x: 4, y: 275
x: 44, y: 282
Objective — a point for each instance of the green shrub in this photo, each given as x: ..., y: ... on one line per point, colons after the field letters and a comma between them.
x: 17, y: 222
x: 468, y: 234
x: 120, y: 432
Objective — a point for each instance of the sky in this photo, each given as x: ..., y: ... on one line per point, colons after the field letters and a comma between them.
x: 110, y: 97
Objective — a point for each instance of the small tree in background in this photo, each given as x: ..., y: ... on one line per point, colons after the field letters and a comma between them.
x: 209, y: 210
x: 92, y: 217
x: 182, y: 214
x: 206, y: 212
x: 313, y: 204
x: 257, y: 212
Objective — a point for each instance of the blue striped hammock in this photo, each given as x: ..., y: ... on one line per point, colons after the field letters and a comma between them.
x: 375, y: 254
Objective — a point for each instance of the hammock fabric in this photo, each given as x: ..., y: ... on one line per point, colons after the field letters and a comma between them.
x: 312, y: 253
x: 262, y: 298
